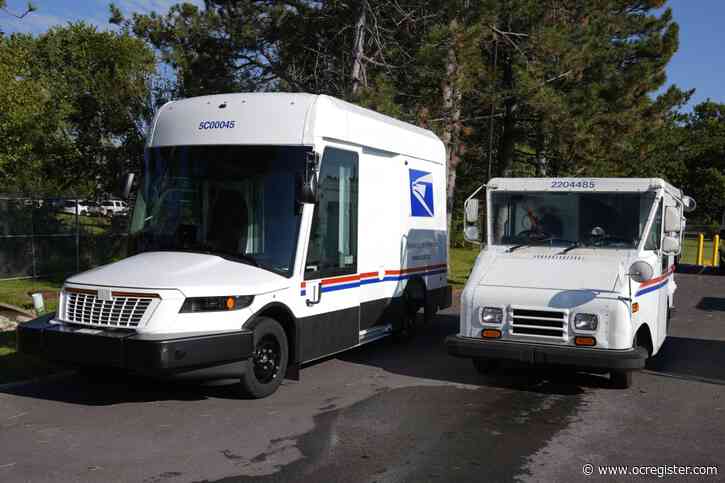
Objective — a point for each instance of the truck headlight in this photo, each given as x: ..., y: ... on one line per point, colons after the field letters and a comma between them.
x: 216, y: 304
x: 586, y: 321
x: 492, y: 315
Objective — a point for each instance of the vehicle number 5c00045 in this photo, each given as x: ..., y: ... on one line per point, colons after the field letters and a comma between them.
x: 575, y: 183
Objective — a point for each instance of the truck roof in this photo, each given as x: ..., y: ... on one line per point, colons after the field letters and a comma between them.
x: 636, y: 185
x: 287, y: 119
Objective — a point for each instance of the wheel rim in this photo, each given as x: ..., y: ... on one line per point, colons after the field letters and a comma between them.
x: 267, y: 355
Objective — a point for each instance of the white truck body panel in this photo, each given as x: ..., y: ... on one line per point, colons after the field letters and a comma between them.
x: 401, y: 224
x: 540, y: 289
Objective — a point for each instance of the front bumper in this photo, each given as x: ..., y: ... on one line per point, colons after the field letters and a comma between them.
x: 151, y: 354
x: 580, y: 357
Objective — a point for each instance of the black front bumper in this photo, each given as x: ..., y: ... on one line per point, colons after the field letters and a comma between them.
x: 580, y: 357
x: 152, y: 354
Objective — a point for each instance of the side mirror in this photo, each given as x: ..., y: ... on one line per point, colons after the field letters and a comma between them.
x: 309, y: 190
x: 689, y: 204
x: 673, y: 220
x: 126, y: 185
x: 641, y: 271
x: 671, y: 245
x: 471, y: 209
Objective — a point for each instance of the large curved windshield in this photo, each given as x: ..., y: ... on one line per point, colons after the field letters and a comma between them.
x: 600, y: 220
x: 238, y: 202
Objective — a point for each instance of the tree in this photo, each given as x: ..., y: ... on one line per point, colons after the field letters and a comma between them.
x: 86, y: 124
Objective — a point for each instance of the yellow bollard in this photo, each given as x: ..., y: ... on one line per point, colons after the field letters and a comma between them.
x: 700, y: 247
x: 715, y: 250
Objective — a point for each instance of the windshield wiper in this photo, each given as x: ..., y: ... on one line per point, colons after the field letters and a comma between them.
x: 577, y: 244
x: 541, y: 242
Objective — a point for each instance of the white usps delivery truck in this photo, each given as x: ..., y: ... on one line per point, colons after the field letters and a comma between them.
x: 575, y: 272
x: 269, y: 229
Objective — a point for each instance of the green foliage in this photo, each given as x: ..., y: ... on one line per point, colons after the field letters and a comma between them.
x: 75, y: 101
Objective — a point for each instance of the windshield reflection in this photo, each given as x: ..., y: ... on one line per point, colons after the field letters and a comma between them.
x: 602, y: 220
x: 238, y: 202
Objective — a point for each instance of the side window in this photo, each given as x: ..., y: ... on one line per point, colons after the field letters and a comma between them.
x: 333, y: 238
x: 655, y: 233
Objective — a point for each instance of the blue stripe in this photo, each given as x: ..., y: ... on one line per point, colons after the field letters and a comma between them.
x: 342, y: 286
x: 389, y: 278
x: 652, y: 288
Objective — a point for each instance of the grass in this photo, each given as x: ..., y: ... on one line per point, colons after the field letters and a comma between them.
x: 14, y: 366
x: 689, y: 251
x: 15, y: 292
x: 461, y: 263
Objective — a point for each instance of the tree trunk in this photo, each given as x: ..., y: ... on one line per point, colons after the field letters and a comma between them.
x: 508, y: 131
x: 359, y: 78
x: 451, y: 130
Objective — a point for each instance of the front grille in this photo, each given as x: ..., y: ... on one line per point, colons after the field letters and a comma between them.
x: 542, y: 323
x: 84, y: 307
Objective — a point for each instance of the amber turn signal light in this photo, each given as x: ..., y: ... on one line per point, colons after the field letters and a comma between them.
x: 588, y: 341
x: 635, y: 307
x: 491, y: 333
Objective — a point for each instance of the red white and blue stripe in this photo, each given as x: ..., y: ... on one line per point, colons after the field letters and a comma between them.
x: 353, y: 281
x: 655, y: 283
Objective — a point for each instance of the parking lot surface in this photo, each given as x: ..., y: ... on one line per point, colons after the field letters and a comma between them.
x: 387, y: 413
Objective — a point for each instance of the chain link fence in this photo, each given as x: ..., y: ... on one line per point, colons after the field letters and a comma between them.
x: 43, y: 236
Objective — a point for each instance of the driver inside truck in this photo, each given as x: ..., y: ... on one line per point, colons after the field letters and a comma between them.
x: 229, y: 223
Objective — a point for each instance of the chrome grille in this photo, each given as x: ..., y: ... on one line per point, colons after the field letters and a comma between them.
x: 84, y: 307
x: 539, y: 322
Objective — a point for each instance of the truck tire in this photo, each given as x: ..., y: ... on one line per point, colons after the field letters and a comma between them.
x: 266, y: 368
x: 621, y: 379
x: 409, y: 321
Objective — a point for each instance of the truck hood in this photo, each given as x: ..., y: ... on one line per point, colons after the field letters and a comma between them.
x: 194, y: 274
x: 554, y: 272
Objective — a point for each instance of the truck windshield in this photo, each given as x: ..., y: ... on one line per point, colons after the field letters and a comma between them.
x: 238, y: 202
x: 605, y: 220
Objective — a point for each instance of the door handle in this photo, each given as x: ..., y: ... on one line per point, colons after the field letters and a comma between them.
x: 313, y: 293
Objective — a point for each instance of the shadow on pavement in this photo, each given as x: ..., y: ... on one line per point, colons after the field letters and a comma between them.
x: 695, y: 359
x: 699, y: 270
x: 116, y: 389
x: 711, y: 304
x: 426, y: 357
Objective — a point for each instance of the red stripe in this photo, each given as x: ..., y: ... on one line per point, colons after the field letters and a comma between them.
x: 355, y: 278
x: 349, y: 278
x: 412, y: 270
x: 658, y: 279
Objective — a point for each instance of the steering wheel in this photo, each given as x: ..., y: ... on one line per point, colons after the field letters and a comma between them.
x: 608, y: 240
x: 534, y: 235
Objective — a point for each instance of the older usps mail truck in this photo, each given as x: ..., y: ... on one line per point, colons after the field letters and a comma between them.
x: 268, y: 230
x: 576, y: 272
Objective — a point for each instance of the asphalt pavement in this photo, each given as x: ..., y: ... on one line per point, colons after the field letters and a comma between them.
x: 387, y: 413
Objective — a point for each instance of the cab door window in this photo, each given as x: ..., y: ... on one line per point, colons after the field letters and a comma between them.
x: 333, y: 238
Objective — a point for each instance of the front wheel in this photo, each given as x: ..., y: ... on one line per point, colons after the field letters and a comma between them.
x: 268, y: 364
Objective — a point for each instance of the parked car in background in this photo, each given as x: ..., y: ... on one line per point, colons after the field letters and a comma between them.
x: 76, y: 206
x: 94, y: 208
x: 113, y: 207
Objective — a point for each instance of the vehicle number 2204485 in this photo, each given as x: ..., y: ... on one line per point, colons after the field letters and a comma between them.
x: 574, y: 183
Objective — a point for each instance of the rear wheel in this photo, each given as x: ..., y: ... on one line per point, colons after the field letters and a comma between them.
x: 268, y: 364
x: 408, y: 323
x: 621, y: 379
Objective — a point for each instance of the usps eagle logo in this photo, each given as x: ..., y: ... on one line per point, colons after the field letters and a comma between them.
x: 421, y: 193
